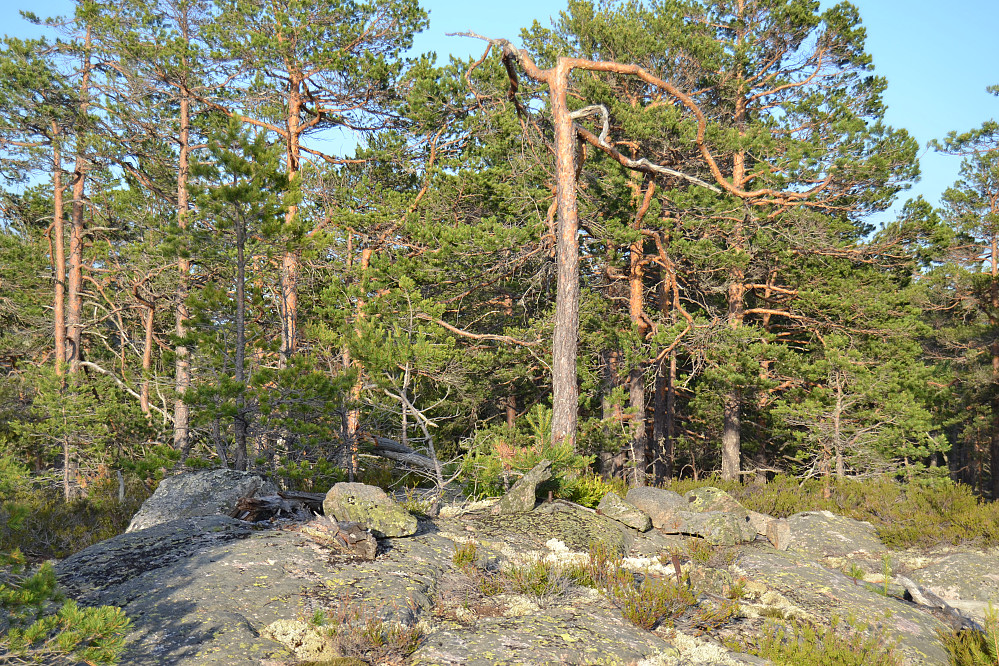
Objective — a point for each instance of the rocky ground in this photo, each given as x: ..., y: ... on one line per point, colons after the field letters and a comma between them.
x: 213, y: 589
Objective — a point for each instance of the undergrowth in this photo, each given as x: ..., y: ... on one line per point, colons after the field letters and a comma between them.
x: 353, y: 633
x: 44, y: 627
x: 905, y: 515
x: 800, y: 643
x: 974, y: 648
x: 40, y: 524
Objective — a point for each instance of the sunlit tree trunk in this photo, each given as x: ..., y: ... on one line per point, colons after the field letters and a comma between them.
x: 58, y: 255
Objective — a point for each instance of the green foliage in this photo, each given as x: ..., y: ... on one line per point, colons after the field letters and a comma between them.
x: 466, y: 555
x: 652, y: 603
x: 44, y: 627
x: 497, y: 456
x: 589, y: 489
x: 799, y: 643
x: 43, y: 526
x: 353, y: 632
x: 974, y: 648
x: 905, y: 515
x: 542, y: 581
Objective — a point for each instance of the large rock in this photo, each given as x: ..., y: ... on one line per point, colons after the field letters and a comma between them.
x: 371, y: 507
x: 962, y: 577
x: 824, y: 534
x: 594, y: 634
x: 718, y: 528
x: 214, y: 590
x: 793, y: 585
x: 659, y: 504
x: 710, y: 498
x: 209, y: 493
x: 523, y: 495
x: 614, y: 507
x: 204, y: 590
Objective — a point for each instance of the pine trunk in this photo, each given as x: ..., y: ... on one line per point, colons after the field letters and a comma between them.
x: 289, y: 262
x: 58, y: 256
x: 565, y: 392
x: 182, y: 365
x: 732, y: 420
x: 74, y: 313
x: 240, y: 423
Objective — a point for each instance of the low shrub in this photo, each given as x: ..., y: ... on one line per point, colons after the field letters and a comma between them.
x: 974, y: 648
x: 498, y: 456
x: 800, y: 643
x: 540, y: 580
x: 44, y: 627
x: 466, y: 555
x: 353, y: 633
x: 653, y: 603
x: 905, y: 515
x: 41, y: 525
x: 589, y: 489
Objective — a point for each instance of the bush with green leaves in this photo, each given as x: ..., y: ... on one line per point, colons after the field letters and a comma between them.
x: 905, y: 515
x: 39, y: 523
x: 43, y: 627
x: 974, y: 648
x: 498, y: 456
x: 800, y: 643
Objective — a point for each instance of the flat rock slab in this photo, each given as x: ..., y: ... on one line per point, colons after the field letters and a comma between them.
x: 567, y: 635
x: 965, y: 576
x: 804, y: 586
x: 199, y: 591
x: 824, y: 534
x: 577, y: 529
x: 198, y: 494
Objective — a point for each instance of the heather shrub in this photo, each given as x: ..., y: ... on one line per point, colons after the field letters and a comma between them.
x: 38, y: 522
x: 905, y: 515
x: 974, y: 648
x: 800, y: 643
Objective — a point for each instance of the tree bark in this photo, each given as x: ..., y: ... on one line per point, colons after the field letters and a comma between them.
x: 636, y: 312
x: 353, y: 421
x: 240, y: 423
x: 58, y: 255
x: 732, y: 426
x: 74, y: 314
x: 565, y: 392
x: 147, y: 358
x: 182, y: 365
x: 289, y: 262
x: 994, y: 317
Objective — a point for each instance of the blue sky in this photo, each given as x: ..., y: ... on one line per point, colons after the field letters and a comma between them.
x: 938, y: 58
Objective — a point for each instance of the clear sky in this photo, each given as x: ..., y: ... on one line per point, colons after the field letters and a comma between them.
x: 938, y: 57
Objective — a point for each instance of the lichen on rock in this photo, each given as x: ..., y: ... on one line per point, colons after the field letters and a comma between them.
x: 370, y: 506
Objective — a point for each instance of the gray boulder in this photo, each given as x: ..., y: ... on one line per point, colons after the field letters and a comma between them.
x: 824, y: 534
x: 523, y: 495
x: 659, y: 504
x: 718, y: 528
x: 371, y: 507
x: 793, y: 585
x: 614, y: 507
x: 710, y: 498
x: 209, y: 493
x: 967, y: 581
